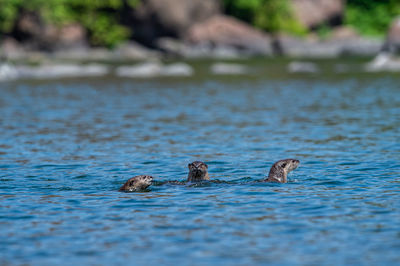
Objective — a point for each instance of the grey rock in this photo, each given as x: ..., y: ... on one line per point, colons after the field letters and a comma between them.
x: 201, y: 50
x: 61, y: 71
x: 392, y: 43
x: 11, y: 49
x: 229, y: 69
x: 383, y: 62
x: 296, y: 47
x: 302, y: 67
x: 177, y: 69
x: 312, y: 13
x: 153, y: 19
x: 8, y: 72
x: 360, y: 47
x: 225, y: 31
x: 143, y: 70
x: 154, y: 69
x: 133, y: 51
x: 84, y: 54
x: 37, y: 34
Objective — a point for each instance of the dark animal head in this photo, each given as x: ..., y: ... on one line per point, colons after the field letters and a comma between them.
x: 281, y: 169
x: 198, y: 171
x: 137, y: 183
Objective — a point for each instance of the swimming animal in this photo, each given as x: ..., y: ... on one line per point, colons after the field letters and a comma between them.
x: 198, y: 171
x: 281, y: 169
x: 137, y: 183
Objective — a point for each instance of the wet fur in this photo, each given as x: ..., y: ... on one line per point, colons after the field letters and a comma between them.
x: 279, y: 170
x: 137, y: 183
x: 198, y: 171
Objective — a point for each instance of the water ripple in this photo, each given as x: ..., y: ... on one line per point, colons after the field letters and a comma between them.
x: 67, y: 147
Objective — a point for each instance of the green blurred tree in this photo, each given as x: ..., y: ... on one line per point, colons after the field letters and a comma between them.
x: 270, y: 15
x: 371, y: 17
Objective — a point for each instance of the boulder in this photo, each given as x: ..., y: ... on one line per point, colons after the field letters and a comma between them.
x: 314, y: 48
x: 384, y: 62
x: 153, y: 19
x: 35, y: 34
x: 229, y: 69
x: 302, y: 67
x: 11, y: 49
x: 312, y: 13
x: 224, y: 31
x: 8, y: 72
x: 392, y: 43
x: 179, y: 48
x: 154, y: 69
x: 134, y: 51
x: 55, y: 71
x: 344, y: 33
x: 71, y: 35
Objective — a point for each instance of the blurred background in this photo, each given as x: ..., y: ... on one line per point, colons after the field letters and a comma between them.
x: 133, y: 29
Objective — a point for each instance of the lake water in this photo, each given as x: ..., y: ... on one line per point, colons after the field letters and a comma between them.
x: 66, y: 146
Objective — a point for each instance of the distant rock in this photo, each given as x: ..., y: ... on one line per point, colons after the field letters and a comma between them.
x: 360, y: 47
x: 143, y: 70
x: 82, y: 54
x: 302, y: 67
x: 295, y: 47
x: 36, y: 34
x: 224, y: 31
x: 154, y: 69
x: 312, y: 13
x: 177, y: 69
x: 313, y: 48
x: 61, y: 71
x: 133, y: 51
x: 153, y: 19
x: 8, y: 72
x: 392, y: 44
x: 11, y: 49
x: 384, y: 62
x: 229, y: 69
x: 179, y: 48
x: 344, y: 33
x: 70, y: 36
x: 51, y: 71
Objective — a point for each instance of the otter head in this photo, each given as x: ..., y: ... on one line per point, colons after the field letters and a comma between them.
x: 281, y: 169
x: 198, y: 171
x: 137, y: 183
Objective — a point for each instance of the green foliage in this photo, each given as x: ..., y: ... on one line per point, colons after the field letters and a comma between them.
x: 8, y: 12
x: 99, y: 17
x: 269, y: 15
x: 371, y: 17
x: 324, y: 31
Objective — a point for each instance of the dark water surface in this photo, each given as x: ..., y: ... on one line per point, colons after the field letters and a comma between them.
x: 67, y: 146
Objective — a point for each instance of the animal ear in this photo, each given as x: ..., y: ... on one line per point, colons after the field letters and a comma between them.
x: 189, y: 164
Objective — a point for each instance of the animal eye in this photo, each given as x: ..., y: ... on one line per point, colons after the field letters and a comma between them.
x: 283, y: 165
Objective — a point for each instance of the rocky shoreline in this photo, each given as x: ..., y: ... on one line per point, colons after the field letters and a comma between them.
x: 211, y: 36
x: 234, y: 48
x: 190, y: 68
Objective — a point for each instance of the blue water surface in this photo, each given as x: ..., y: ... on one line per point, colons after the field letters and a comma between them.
x: 67, y: 146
